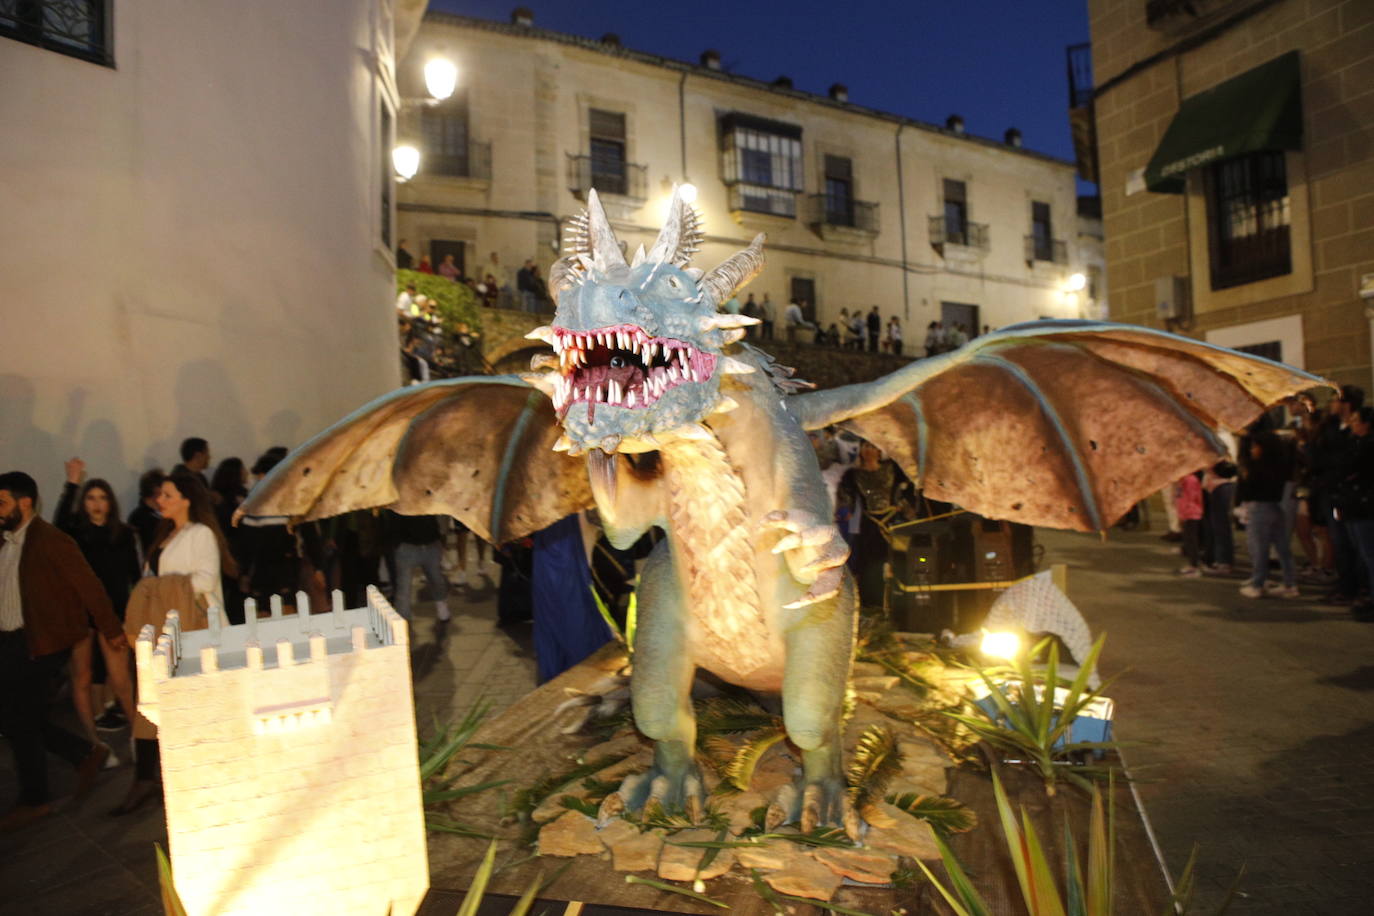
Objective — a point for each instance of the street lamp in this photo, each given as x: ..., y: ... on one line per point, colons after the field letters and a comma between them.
x: 441, y: 77
x: 405, y: 159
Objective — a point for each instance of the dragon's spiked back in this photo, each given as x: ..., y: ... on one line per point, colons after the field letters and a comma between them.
x: 639, y: 342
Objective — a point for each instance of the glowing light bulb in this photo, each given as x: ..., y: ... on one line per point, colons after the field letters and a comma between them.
x: 406, y: 161
x: 688, y: 193
x: 1001, y: 645
x: 441, y: 77
x: 1076, y: 282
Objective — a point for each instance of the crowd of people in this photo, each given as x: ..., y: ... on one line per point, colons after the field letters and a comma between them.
x: 76, y: 591
x: 433, y: 347
x: 491, y: 284
x: 1311, y: 481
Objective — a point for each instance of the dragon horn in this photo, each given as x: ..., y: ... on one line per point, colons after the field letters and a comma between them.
x: 566, y: 272
x: 734, y: 272
x: 680, y: 236
x: 605, y: 249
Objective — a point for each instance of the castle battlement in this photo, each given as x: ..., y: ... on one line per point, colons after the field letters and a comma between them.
x: 288, y: 743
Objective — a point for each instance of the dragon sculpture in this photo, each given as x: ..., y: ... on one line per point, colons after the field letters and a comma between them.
x: 650, y: 409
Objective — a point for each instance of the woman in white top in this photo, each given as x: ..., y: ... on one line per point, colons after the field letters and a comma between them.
x: 188, y: 540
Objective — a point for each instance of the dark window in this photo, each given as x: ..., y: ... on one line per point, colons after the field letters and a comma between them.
x: 442, y: 248
x: 960, y: 313
x: 762, y: 163
x: 608, y: 151
x: 384, y: 129
x: 839, y: 191
x: 956, y: 212
x: 1247, y: 219
x: 1042, y: 231
x: 445, y: 130
x: 803, y: 291
x: 80, y: 28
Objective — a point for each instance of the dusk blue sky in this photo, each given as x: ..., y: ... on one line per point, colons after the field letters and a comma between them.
x: 999, y: 63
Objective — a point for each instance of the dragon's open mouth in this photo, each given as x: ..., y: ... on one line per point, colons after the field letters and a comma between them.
x: 622, y: 366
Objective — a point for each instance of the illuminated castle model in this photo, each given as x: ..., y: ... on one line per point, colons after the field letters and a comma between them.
x: 289, y: 761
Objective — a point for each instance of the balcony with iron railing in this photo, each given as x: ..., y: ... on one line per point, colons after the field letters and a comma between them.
x: 621, y: 179
x: 1052, y: 251
x: 945, y: 232
x: 472, y: 161
x: 750, y: 198
x: 839, y: 217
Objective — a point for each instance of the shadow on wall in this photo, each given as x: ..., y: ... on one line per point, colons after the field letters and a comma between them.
x: 24, y: 446
x: 27, y: 446
x: 206, y: 403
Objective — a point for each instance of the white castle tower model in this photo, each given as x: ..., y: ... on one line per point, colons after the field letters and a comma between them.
x: 289, y: 761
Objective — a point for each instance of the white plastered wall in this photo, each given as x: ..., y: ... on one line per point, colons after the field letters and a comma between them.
x: 190, y: 242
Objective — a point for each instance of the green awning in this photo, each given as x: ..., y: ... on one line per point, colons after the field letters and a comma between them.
x: 1259, y: 110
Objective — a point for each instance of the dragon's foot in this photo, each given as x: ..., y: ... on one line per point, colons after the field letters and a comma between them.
x: 672, y: 784
x: 812, y: 804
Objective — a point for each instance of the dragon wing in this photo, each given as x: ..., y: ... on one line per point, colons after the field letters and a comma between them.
x: 477, y: 448
x: 1065, y: 424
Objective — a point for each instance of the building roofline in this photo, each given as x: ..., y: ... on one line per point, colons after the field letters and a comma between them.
x: 668, y: 63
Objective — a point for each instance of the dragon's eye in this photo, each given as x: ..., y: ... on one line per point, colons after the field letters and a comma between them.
x: 672, y: 281
x: 618, y: 362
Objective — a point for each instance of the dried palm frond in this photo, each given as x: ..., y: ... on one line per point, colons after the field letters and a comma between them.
x: 733, y: 715
x: 877, y: 760
x: 945, y: 814
x: 739, y: 772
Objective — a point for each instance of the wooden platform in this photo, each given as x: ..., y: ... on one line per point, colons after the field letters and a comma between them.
x: 537, y: 750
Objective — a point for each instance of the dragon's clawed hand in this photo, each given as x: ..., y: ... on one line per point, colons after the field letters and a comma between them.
x: 814, y: 550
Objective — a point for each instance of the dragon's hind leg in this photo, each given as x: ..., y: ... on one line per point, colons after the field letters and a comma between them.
x: 661, y: 693
x: 820, y: 643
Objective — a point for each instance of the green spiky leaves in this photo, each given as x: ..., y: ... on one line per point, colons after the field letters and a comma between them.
x: 877, y: 760
x: 947, y: 815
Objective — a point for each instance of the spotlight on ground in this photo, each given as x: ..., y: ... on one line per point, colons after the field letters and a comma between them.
x: 1001, y: 645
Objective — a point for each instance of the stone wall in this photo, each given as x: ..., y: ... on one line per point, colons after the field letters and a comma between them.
x: 1315, y: 310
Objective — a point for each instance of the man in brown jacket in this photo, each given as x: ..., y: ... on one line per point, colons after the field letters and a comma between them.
x: 49, y: 599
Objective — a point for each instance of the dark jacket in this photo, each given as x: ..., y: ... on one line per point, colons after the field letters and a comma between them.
x: 61, y: 595
x: 1262, y: 479
x: 1354, y: 495
x: 113, y: 559
x: 144, y: 521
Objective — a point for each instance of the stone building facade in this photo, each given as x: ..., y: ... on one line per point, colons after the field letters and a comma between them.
x: 289, y: 761
x: 861, y: 207
x: 1237, y: 172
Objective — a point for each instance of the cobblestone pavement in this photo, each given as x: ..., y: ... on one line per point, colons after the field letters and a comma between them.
x: 1250, y: 723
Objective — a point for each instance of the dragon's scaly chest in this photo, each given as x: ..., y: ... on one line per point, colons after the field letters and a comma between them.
x: 714, y: 554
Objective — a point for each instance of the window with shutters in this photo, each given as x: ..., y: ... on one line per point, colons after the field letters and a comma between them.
x: 1042, y: 231
x: 761, y: 163
x: 1248, y: 218
x: 839, y: 191
x: 608, y: 162
x: 444, y: 127
x: 78, y: 28
x: 956, y: 212
x: 387, y: 176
